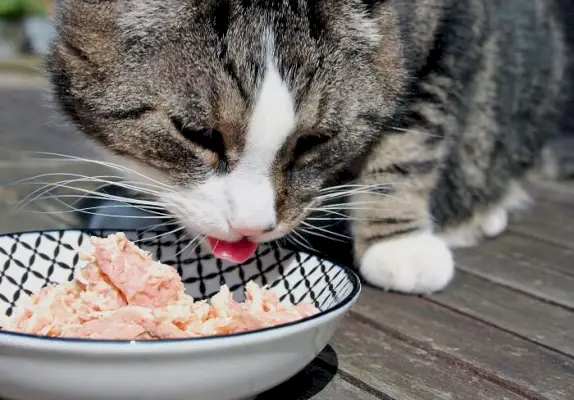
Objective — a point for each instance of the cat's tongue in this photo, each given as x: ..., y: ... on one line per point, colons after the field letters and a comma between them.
x: 237, y: 252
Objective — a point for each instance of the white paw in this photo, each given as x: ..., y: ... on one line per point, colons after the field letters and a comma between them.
x: 472, y: 232
x: 495, y: 223
x: 420, y: 263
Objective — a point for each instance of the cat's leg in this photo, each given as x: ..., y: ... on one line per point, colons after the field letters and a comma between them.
x: 488, y: 223
x: 395, y: 243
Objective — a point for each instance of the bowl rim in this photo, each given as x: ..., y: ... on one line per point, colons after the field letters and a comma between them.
x: 32, y: 340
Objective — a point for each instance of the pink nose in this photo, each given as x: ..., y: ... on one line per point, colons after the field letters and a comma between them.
x: 248, y: 231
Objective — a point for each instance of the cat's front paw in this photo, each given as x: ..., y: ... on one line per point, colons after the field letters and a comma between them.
x: 419, y: 263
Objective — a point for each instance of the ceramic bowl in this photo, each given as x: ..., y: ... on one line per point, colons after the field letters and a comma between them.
x: 209, y: 368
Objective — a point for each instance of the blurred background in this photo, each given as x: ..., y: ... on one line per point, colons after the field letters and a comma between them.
x: 28, y: 122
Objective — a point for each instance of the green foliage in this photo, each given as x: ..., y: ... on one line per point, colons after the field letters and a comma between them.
x: 11, y: 9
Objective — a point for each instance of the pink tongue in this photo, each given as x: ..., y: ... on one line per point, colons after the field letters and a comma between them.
x: 237, y: 252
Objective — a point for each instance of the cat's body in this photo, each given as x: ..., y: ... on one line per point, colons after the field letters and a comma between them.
x: 250, y: 109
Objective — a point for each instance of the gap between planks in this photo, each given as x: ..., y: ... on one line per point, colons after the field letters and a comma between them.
x: 545, y: 324
x: 518, y: 364
x: 390, y: 365
x: 547, y: 219
x: 527, y: 265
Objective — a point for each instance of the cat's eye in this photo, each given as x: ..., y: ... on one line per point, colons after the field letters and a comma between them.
x: 209, y: 139
x: 306, y: 144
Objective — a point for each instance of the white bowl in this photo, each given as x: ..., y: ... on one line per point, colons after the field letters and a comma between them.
x: 211, y: 368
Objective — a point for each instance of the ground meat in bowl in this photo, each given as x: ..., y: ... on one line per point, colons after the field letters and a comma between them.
x: 123, y: 294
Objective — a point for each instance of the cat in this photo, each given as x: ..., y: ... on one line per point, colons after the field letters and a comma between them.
x: 426, y: 114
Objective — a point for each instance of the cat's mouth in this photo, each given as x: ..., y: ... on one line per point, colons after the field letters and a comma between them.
x: 237, y: 252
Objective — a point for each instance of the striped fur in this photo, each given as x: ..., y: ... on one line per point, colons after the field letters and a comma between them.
x: 488, y: 95
x: 441, y: 107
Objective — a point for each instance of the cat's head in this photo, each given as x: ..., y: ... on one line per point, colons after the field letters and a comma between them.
x: 244, y: 109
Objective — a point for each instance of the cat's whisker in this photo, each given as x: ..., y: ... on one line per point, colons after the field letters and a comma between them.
x: 347, y: 203
x: 308, y: 246
x: 396, y: 128
x: 297, y: 242
x: 151, y: 208
x: 105, y: 180
x: 101, y: 195
x: 50, y: 186
x: 161, y: 234
x: 353, y: 184
x: 136, y: 188
x: 157, y: 210
x: 191, y: 242
x: 311, y: 226
x: 374, y: 189
x: 89, y: 209
x: 64, y: 157
x: 156, y: 227
x: 294, y: 241
x: 331, y: 212
x: 333, y: 222
x: 364, y: 192
x: 340, y: 211
x: 103, y: 215
x: 309, y: 232
x: 351, y: 187
x: 182, y: 237
x: 96, y: 189
x: 340, y: 186
x: 347, y: 218
x: 80, y: 198
x: 31, y: 178
x: 46, y: 188
x: 346, y: 207
x: 369, y: 190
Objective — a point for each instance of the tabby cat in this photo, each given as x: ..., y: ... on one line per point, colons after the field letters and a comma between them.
x: 427, y: 114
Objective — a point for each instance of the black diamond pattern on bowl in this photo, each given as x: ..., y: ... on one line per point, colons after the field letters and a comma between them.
x: 30, y: 261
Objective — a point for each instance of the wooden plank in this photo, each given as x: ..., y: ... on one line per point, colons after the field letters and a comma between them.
x: 546, y: 222
x: 557, y: 192
x: 527, y: 252
x: 558, y: 156
x: 319, y: 381
x: 549, y: 325
x: 340, y: 389
x: 540, y: 269
x: 403, y: 371
x: 336, y: 389
x: 548, y: 218
x: 519, y: 364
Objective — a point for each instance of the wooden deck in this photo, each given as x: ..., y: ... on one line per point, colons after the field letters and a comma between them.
x: 503, y: 330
